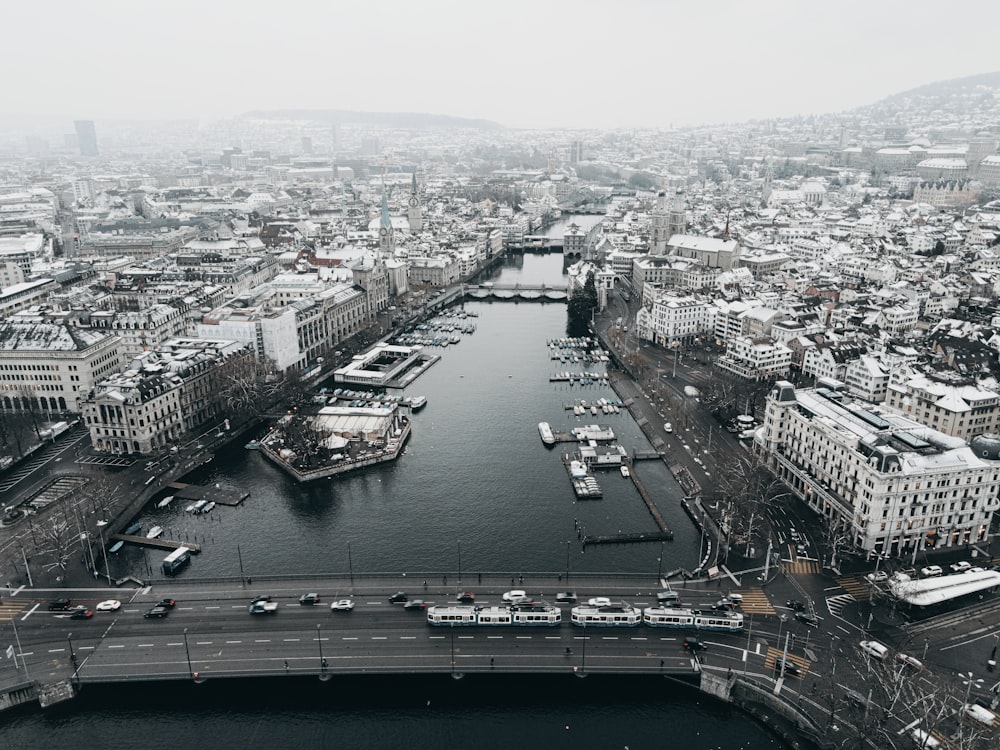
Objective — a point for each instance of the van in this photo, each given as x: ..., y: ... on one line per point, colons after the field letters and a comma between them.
x: 874, y: 648
x: 735, y: 598
x: 668, y: 597
x: 925, y: 739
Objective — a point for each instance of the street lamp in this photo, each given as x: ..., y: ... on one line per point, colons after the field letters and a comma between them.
x: 72, y: 656
x: 659, y: 565
x: 104, y: 550
x: 188, y: 652
x: 969, y: 682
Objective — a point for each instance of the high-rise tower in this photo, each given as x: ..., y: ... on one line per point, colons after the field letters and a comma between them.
x: 86, y: 136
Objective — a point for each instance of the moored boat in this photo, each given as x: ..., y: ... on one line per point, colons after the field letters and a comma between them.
x: 624, y: 471
x: 154, y: 532
x: 116, y: 546
x: 546, y: 433
x: 133, y: 529
x: 208, y: 506
x: 165, y: 501
x: 199, y: 506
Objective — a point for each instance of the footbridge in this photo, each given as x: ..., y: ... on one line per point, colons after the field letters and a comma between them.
x: 517, y: 293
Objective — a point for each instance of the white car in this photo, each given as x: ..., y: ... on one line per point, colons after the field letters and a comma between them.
x: 108, y: 605
x: 667, y: 427
x: 878, y: 576
x: 342, y: 605
x: 515, y: 597
x: 931, y: 571
x: 599, y: 601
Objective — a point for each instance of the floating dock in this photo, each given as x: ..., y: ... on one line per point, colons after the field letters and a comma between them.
x: 633, y: 538
x: 155, y: 543
x: 221, y: 495
x: 584, y: 485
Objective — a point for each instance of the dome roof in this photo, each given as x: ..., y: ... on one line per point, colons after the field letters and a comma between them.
x: 986, y: 446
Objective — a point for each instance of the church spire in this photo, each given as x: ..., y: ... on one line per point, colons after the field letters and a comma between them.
x: 386, y: 238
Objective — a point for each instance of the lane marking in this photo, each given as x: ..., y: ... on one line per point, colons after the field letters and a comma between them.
x: 263, y: 640
x: 119, y: 645
x: 234, y: 641
x: 378, y: 637
x: 349, y: 638
x: 523, y: 637
x: 175, y: 644
x: 290, y: 640
x: 407, y: 637
x: 56, y: 650
x: 146, y: 645
x: 202, y: 643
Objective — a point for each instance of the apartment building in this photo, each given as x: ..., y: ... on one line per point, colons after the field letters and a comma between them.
x: 962, y: 411
x: 892, y: 485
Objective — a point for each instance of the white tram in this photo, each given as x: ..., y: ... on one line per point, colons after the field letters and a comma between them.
x: 515, y: 614
x: 609, y: 616
x: 672, y: 617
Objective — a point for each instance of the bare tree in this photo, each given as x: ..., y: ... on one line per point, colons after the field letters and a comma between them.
x: 56, y: 541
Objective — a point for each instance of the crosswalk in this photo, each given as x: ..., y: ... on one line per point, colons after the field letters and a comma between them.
x: 837, y: 603
x: 755, y: 601
x: 774, y: 654
x: 9, y: 611
x: 801, y: 567
x: 856, y: 587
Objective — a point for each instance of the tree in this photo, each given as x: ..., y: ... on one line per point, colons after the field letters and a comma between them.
x: 581, y: 307
x: 56, y: 541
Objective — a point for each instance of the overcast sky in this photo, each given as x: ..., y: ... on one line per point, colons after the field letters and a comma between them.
x: 523, y: 63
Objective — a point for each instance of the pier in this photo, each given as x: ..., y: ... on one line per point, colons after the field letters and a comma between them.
x: 665, y: 531
x: 628, y: 538
x: 221, y: 495
x: 155, y: 543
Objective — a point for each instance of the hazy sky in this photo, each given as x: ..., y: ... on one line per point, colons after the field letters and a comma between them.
x: 524, y: 63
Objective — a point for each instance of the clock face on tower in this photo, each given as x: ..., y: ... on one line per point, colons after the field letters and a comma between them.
x: 383, y: 231
x: 414, y: 202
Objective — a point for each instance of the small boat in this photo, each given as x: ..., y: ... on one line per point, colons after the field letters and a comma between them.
x: 625, y: 471
x: 116, y: 546
x: 154, y: 532
x: 165, y: 501
x: 133, y: 529
x: 190, y: 508
x: 252, y: 445
x: 199, y: 506
x: 418, y: 402
x: 208, y: 506
x: 546, y: 433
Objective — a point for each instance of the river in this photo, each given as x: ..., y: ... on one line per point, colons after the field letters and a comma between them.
x: 475, y: 489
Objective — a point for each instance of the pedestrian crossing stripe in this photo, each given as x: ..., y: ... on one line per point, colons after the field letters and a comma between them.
x: 9, y: 611
x: 802, y: 567
x: 773, y: 654
x: 855, y: 587
x: 755, y: 601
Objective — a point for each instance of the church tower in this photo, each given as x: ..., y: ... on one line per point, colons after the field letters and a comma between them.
x: 386, y: 237
x: 768, y: 179
x: 678, y: 216
x: 413, y: 212
x: 659, y: 226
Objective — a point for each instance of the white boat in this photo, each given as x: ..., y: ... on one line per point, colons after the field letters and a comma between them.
x: 624, y: 470
x: 418, y: 402
x: 199, y: 506
x: 208, y: 506
x: 154, y: 532
x: 190, y: 508
x: 546, y: 433
x: 165, y: 501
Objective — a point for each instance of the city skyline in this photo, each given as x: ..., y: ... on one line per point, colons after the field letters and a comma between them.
x: 554, y: 65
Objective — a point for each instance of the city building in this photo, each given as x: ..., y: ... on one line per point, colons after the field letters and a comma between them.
x: 86, y: 137
x: 884, y: 483
x: 962, y: 411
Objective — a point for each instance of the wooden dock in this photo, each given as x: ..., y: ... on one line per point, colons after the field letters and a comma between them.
x: 221, y: 495
x: 653, y: 510
x: 155, y: 543
x: 628, y: 538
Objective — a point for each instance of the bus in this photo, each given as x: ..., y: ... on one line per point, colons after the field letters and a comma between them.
x: 176, y: 560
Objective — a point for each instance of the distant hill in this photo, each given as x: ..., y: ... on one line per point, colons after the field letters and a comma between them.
x: 411, y: 120
x: 953, y: 87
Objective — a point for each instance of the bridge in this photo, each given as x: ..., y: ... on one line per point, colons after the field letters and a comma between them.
x: 516, y: 293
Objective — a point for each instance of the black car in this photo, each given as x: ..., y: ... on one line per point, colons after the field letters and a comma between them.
x: 59, y: 605
x: 790, y: 667
x: 566, y: 597
x: 156, y: 612
x: 694, y: 645
x: 82, y: 613
x: 261, y: 598
x: 467, y: 597
x: 310, y: 598
x: 398, y: 597
x: 804, y: 617
x: 723, y: 605
x: 168, y: 603
x: 795, y: 604
x: 415, y: 604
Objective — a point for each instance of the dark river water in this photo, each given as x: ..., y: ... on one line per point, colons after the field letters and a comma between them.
x: 476, y: 488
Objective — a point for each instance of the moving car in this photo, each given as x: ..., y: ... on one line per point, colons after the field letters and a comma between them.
x: 668, y: 597
x: 168, y: 603
x: 807, y: 619
x: 910, y: 661
x: 261, y: 598
x: 156, y: 612
x: 82, y: 613
x: 566, y: 597
x: 790, y: 667
x: 398, y: 597
x: 723, y: 605
x: 931, y: 570
x: 795, y: 605
x: 342, y: 605
x: 693, y: 645
x: 59, y: 605
x: 467, y: 597
x: 515, y: 597
x: 108, y: 605
x: 263, y: 608
x: 667, y: 427
x: 878, y: 576
x: 311, y: 598
x: 599, y: 601
x: 874, y: 648
x: 415, y: 604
